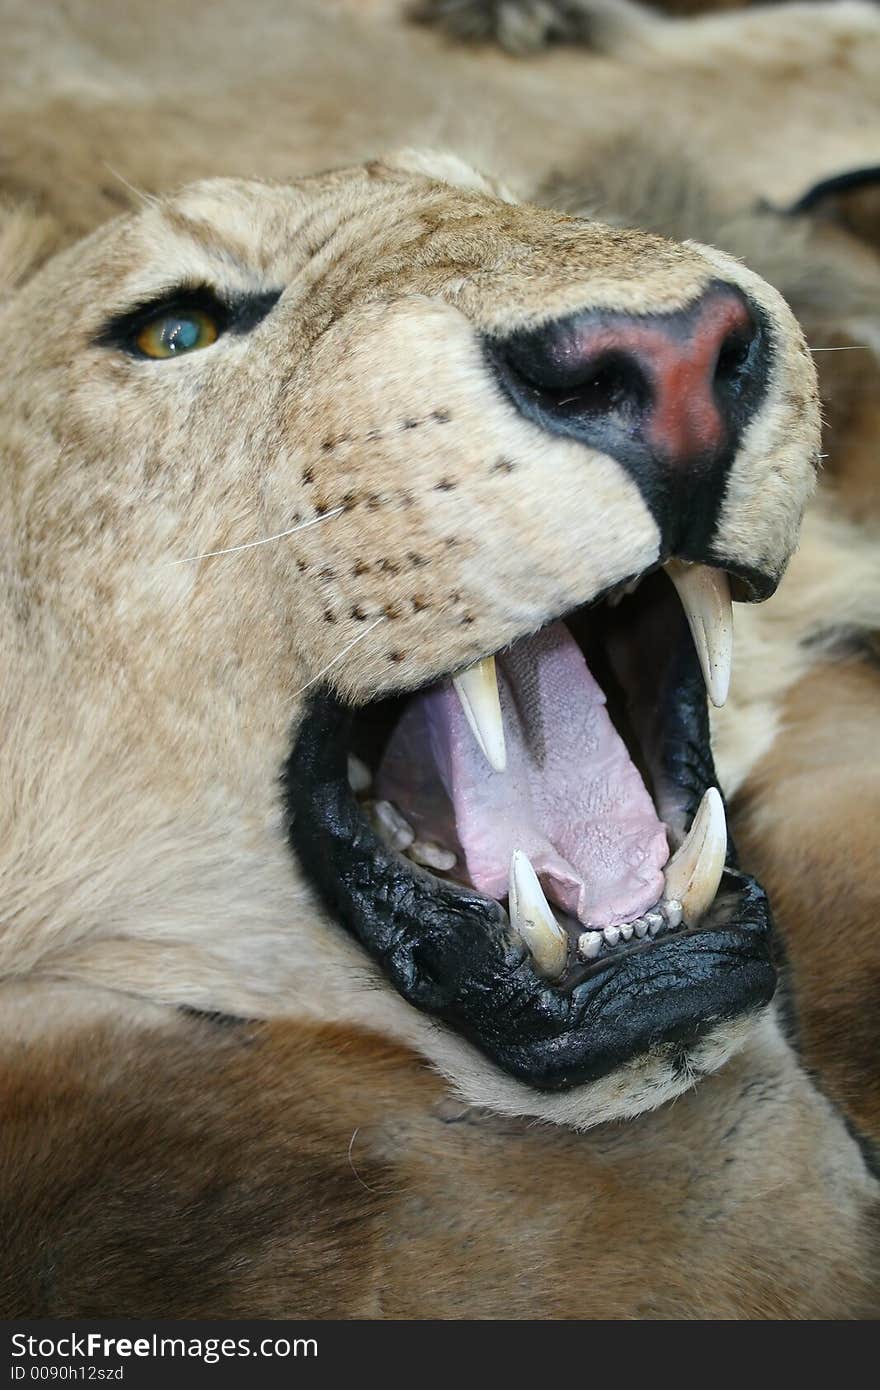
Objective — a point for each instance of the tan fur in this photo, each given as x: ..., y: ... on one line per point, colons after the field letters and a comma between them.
x: 148, y: 704
x: 808, y: 823
x: 316, y: 1172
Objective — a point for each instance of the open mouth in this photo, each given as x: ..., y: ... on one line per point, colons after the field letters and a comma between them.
x: 535, y: 849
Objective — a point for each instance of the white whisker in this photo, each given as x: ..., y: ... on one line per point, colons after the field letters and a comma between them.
x: 148, y: 198
x: 339, y: 655
x: 249, y: 545
x: 850, y: 347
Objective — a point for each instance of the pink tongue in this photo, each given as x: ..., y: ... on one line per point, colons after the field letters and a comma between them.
x: 570, y: 797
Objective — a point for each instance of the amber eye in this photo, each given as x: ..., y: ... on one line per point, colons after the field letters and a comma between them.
x: 170, y: 334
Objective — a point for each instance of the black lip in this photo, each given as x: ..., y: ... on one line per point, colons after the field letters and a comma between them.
x: 447, y: 949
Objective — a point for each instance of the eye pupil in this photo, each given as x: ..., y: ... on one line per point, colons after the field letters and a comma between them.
x: 171, y: 333
x: 180, y: 334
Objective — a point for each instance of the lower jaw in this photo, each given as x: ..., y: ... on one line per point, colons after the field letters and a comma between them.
x: 448, y: 950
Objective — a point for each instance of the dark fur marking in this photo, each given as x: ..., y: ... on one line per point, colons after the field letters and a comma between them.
x: 840, y: 183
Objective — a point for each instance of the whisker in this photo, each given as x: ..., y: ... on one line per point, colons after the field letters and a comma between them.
x: 339, y: 655
x: 850, y: 347
x: 149, y: 198
x: 249, y: 545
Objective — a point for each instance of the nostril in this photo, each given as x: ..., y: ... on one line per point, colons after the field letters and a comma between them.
x: 608, y: 382
x: 614, y: 385
x: 734, y: 358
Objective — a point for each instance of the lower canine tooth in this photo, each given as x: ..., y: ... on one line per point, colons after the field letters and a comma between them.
x: 530, y: 915
x: 589, y: 944
x: 694, y: 871
x: 477, y: 689
x: 431, y: 855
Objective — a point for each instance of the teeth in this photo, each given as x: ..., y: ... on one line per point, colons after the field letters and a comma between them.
x: 626, y: 931
x: 359, y: 775
x: 671, y: 910
x: 477, y: 688
x: 654, y: 921
x: 530, y: 915
x: 431, y: 855
x: 694, y: 871
x: 612, y: 935
x: 705, y: 597
x: 589, y: 944
x: 641, y: 927
x: 395, y: 831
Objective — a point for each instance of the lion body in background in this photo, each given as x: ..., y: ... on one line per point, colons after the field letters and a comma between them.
x: 300, y: 1141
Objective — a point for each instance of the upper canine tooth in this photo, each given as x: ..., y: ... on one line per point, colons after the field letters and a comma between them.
x: 477, y: 688
x: 531, y: 916
x: 694, y: 871
x: 705, y: 597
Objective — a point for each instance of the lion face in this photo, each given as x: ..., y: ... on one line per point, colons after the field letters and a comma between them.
x: 300, y: 455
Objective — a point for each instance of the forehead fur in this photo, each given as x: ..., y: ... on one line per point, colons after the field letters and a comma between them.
x: 239, y: 232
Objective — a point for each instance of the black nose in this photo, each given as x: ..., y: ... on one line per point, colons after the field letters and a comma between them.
x: 666, y: 395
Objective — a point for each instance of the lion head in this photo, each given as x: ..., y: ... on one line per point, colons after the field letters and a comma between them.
x: 380, y: 477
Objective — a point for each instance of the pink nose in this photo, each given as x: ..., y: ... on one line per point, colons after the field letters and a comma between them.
x: 684, y: 372
x: 667, y: 395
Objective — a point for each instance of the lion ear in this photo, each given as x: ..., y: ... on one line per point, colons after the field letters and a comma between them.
x: 27, y: 239
x: 850, y: 200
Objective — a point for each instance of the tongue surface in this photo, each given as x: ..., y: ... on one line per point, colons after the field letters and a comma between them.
x: 570, y: 796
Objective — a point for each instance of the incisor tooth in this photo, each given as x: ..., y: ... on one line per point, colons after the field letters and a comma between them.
x: 694, y: 871
x: 705, y: 596
x: 531, y: 916
x: 477, y: 688
x: 589, y: 944
x: 671, y: 910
